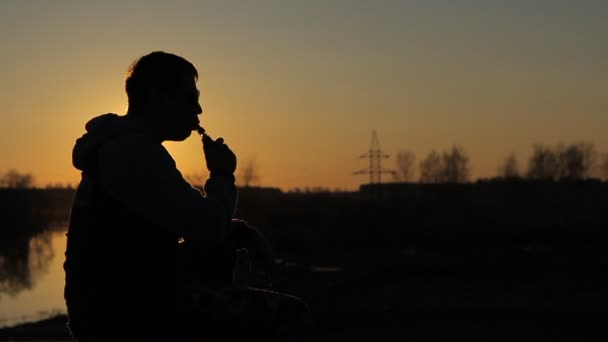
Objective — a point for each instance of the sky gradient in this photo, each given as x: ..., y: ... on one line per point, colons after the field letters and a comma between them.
x: 299, y: 86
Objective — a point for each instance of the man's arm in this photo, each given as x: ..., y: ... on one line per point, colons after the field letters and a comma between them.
x: 221, y: 163
x: 221, y: 188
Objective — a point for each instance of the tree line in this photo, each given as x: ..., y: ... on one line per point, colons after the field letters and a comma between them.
x: 551, y: 163
x: 14, y: 179
x: 558, y: 162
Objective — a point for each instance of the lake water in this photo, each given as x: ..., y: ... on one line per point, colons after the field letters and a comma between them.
x: 32, y: 286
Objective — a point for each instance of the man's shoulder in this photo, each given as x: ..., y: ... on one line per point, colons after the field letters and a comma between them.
x: 132, y: 146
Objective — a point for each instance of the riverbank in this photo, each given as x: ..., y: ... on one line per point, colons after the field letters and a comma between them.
x: 50, y: 329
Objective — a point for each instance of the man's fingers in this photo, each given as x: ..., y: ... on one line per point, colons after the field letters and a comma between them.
x: 218, y: 156
x: 207, y: 139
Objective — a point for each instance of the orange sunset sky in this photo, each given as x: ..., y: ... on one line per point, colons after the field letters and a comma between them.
x: 300, y: 85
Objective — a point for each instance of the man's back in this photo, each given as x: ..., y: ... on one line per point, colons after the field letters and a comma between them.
x: 119, y: 266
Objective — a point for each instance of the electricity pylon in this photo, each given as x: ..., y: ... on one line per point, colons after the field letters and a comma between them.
x: 375, y: 156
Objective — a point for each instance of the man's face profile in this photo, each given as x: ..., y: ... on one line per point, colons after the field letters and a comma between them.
x: 179, y: 110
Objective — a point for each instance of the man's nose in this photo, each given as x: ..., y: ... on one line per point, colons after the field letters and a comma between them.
x: 199, y: 109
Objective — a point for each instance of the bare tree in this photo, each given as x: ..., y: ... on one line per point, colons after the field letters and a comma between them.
x: 248, y: 173
x: 543, y: 164
x: 455, y: 166
x: 448, y: 167
x: 509, y: 168
x: 16, y: 180
x: 602, y: 165
x: 572, y: 162
x: 405, y: 166
x: 431, y: 168
x: 575, y: 161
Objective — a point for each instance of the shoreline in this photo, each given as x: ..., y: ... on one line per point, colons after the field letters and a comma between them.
x: 49, y: 329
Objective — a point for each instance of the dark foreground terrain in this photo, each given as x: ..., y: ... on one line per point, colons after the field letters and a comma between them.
x: 496, y: 261
x: 533, y: 293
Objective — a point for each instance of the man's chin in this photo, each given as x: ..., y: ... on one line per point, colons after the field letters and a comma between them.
x: 180, y: 136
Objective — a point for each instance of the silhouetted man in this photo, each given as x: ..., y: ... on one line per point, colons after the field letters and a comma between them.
x: 134, y: 217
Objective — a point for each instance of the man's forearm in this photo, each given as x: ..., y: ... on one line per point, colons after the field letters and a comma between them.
x: 222, y: 188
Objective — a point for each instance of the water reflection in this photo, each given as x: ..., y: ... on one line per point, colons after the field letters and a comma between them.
x: 26, y: 252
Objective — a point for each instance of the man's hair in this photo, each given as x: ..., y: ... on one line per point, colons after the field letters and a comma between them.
x: 156, y: 70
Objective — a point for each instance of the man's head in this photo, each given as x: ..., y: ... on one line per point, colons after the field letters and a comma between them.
x: 161, y: 88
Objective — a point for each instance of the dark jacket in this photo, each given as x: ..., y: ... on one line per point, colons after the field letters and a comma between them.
x: 131, y: 208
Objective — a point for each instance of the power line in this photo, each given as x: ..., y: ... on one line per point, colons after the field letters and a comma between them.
x: 375, y: 156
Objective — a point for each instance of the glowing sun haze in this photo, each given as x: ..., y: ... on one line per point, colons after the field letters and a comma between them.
x: 299, y: 85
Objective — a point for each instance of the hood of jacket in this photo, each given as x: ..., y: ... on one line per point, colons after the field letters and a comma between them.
x: 99, y: 130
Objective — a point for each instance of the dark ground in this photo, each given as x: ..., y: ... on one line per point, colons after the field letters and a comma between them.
x: 481, y: 262
x: 52, y: 329
x: 538, y: 295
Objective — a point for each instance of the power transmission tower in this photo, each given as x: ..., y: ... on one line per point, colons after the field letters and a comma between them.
x: 375, y: 156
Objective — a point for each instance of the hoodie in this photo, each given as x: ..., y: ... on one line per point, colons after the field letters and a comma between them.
x: 140, y: 174
x: 130, y: 208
